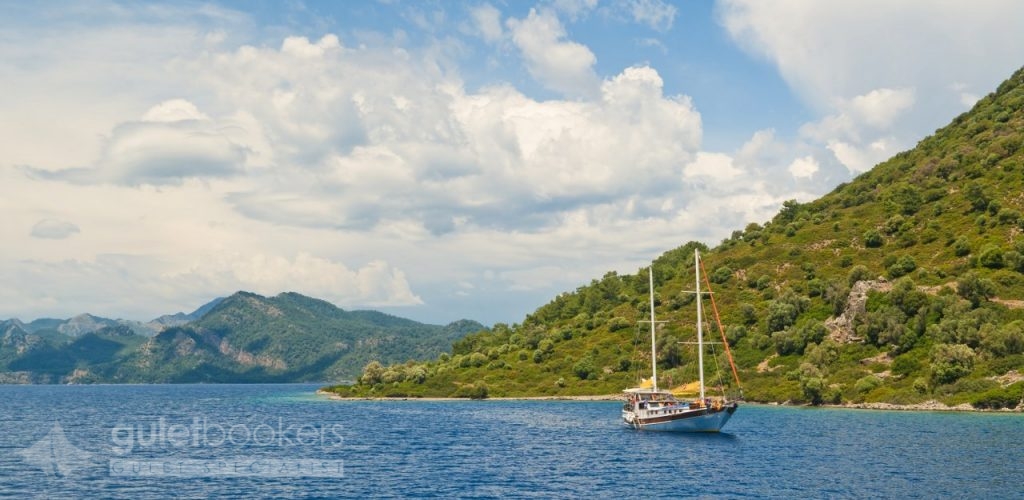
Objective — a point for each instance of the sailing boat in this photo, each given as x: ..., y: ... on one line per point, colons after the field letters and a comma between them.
x: 654, y: 409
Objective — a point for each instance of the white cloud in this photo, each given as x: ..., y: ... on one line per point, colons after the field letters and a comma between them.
x: 654, y: 13
x: 803, y: 167
x: 314, y: 156
x: 861, y: 132
x: 375, y: 284
x: 827, y: 50
x: 554, y: 61
x: 174, y: 110
x: 299, y: 46
x: 716, y: 166
x: 369, y: 173
x: 166, y: 151
x: 487, y: 20
x: 861, y: 158
x: 881, y: 74
x: 53, y: 229
x: 574, y: 9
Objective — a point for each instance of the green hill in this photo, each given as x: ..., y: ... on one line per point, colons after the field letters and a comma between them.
x: 287, y: 338
x: 243, y: 338
x: 902, y: 286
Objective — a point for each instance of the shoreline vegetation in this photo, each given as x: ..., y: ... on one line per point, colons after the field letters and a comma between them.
x: 931, y: 405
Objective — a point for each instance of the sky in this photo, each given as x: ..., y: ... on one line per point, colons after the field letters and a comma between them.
x: 440, y: 160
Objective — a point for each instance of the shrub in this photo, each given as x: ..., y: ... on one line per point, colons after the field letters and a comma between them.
x: 991, y: 256
x: 867, y: 384
x: 372, y: 373
x: 584, y: 368
x: 858, y: 273
x: 961, y: 247
x: 903, y: 266
x: 976, y: 196
x: 748, y: 313
x: 950, y: 362
x: 618, y: 323
x: 974, y: 288
x: 781, y: 315
x: 733, y: 333
x: 472, y: 391
x: 721, y: 275
x: 1000, y: 397
x: 760, y: 341
x: 872, y: 239
x: 477, y: 359
x: 895, y: 224
x: 905, y: 365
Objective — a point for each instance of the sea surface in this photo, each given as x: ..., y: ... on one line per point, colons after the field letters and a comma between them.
x: 256, y: 441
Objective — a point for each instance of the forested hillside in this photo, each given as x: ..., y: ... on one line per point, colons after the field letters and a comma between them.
x: 243, y: 338
x: 903, y: 285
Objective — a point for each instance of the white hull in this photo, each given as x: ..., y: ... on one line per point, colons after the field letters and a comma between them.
x: 708, y: 421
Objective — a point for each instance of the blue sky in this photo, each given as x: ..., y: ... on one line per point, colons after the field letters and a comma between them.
x: 441, y: 160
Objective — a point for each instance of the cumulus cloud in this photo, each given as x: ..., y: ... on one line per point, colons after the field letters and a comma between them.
x: 370, y: 173
x: 803, y: 167
x: 860, y: 133
x: 419, y: 150
x: 859, y: 158
x: 53, y: 229
x: 375, y: 284
x: 875, y: 106
x: 172, y: 141
x: 830, y: 50
x: 172, y: 287
x: 715, y: 166
x: 554, y: 61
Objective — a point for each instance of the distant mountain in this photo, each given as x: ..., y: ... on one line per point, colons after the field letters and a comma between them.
x: 88, y: 323
x: 82, y: 324
x: 241, y: 338
x: 902, y: 286
x: 43, y: 324
x: 179, y: 319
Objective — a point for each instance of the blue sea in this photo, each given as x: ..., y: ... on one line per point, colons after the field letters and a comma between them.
x: 273, y: 441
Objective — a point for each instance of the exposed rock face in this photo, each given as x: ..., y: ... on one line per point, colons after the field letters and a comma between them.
x: 82, y: 324
x: 842, y: 328
x: 16, y: 339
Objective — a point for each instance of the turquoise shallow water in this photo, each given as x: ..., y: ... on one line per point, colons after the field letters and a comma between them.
x: 477, y: 448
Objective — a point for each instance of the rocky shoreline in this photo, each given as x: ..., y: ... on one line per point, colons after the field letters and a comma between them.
x: 606, y: 397
x: 930, y: 405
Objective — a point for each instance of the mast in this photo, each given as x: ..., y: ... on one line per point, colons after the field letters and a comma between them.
x: 700, y: 333
x: 654, y: 354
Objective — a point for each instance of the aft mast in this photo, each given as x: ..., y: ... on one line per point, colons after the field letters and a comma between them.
x: 700, y: 334
x: 654, y: 354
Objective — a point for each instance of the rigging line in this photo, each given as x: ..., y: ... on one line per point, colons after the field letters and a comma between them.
x: 714, y: 307
x: 636, y: 350
x: 714, y: 357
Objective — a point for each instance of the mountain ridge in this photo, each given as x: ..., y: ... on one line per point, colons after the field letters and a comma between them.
x: 244, y: 337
